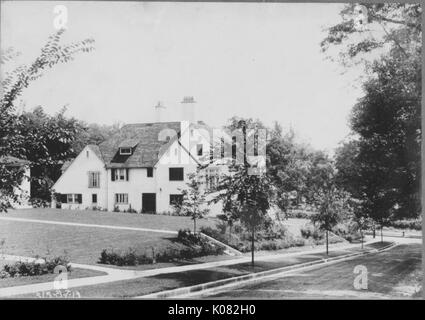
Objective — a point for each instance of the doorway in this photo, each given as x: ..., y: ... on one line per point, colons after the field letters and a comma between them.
x: 149, y: 202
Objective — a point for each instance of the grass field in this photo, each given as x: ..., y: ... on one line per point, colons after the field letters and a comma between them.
x: 84, y: 244
x: 150, y: 221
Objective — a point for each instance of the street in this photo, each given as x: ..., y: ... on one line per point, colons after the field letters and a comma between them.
x: 395, y: 273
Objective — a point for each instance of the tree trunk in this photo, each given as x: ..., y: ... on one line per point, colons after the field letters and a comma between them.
x: 382, y: 236
x: 194, y: 226
x: 374, y: 231
x: 361, y: 235
x: 327, y: 242
x: 252, y: 247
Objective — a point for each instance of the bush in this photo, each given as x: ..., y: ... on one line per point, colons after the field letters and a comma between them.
x: 24, y: 269
x: 39, y: 203
x: 275, y: 237
x: 195, y: 246
x: 413, y: 224
x: 310, y: 232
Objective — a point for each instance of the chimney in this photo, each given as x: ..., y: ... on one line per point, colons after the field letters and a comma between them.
x: 159, y: 112
x: 188, y: 109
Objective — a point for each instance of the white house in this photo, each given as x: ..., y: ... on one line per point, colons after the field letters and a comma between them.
x: 144, y: 167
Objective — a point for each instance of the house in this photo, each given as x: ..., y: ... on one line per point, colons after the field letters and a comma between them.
x: 144, y: 167
x: 23, y: 191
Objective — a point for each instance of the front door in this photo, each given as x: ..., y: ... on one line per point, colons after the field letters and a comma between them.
x: 149, y: 202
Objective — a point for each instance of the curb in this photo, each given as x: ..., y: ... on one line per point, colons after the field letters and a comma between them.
x: 173, y: 293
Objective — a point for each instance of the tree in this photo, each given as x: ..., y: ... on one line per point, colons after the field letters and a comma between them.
x: 193, y: 200
x: 12, y: 138
x: 247, y: 197
x: 381, y: 166
x: 330, y: 202
x: 373, y: 28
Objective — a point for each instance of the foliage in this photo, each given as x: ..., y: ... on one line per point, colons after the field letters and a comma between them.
x: 380, y: 166
x: 24, y: 269
x: 193, y: 200
x: 18, y: 136
x: 274, y: 237
x: 413, y: 224
x: 393, y: 25
x: 194, y: 245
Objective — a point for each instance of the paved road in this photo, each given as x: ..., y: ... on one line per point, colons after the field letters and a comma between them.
x: 395, y: 273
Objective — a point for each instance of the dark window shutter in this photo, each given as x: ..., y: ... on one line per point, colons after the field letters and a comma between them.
x: 126, y: 174
x: 79, y: 198
x: 113, y: 174
x: 64, y: 198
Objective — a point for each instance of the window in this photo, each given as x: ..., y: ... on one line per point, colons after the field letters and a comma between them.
x: 74, y: 198
x: 121, y: 198
x: 119, y: 174
x: 176, y: 174
x: 94, y: 179
x: 176, y: 199
x: 87, y: 153
x: 125, y: 151
x: 94, y: 198
x: 199, y: 149
x: 149, y: 172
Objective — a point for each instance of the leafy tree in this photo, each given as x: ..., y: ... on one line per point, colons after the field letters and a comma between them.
x: 12, y: 136
x: 58, y: 134
x: 330, y: 202
x: 382, y: 25
x: 245, y: 196
x: 381, y: 165
x: 193, y: 200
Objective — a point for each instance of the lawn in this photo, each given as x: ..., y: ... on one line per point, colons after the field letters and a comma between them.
x: 123, y: 219
x: 84, y: 244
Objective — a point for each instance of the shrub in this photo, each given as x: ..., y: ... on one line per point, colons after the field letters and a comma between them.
x: 39, y: 203
x: 310, y: 232
x: 413, y: 224
x: 24, y: 269
x: 116, y: 209
x: 275, y: 237
x: 195, y: 246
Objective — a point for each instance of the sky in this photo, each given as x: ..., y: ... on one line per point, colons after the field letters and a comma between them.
x: 258, y: 60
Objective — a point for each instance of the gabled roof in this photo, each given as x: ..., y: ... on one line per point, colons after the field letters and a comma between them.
x: 144, y: 137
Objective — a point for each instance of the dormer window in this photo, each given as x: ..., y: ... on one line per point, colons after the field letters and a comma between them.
x: 127, y: 146
x: 125, y: 151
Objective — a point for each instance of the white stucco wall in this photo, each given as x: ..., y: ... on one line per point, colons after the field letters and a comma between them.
x: 76, y: 180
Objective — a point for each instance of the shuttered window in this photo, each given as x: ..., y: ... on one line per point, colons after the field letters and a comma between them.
x: 73, y: 198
